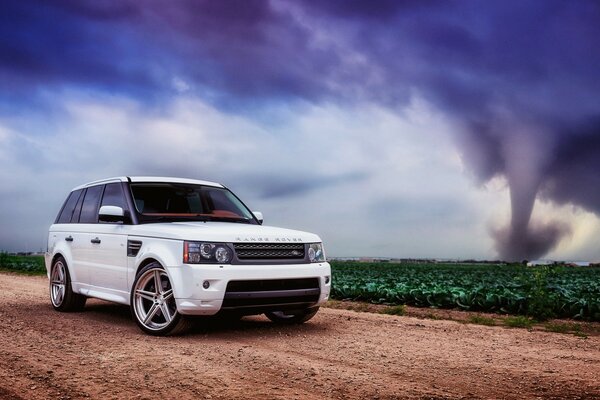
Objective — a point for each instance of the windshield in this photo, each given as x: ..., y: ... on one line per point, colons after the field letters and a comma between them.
x: 184, y: 202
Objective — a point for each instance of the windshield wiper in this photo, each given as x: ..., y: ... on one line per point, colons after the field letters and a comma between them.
x: 225, y: 219
x: 154, y: 218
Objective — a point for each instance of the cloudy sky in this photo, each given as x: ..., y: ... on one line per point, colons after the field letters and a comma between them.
x: 447, y: 129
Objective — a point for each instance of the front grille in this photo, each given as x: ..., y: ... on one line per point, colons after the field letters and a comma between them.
x: 269, y: 251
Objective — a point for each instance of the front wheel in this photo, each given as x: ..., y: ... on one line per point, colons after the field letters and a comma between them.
x: 289, y: 318
x: 62, y: 296
x: 153, y: 303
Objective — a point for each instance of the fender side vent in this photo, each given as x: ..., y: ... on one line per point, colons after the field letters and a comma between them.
x: 133, y: 247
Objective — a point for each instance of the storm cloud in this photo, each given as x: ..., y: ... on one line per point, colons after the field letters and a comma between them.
x: 519, y: 79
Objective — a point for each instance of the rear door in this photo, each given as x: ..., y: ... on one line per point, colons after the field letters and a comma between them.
x: 64, y: 232
x: 86, y: 215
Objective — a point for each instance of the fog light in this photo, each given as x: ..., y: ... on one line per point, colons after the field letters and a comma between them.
x: 326, y: 280
x: 206, y: 284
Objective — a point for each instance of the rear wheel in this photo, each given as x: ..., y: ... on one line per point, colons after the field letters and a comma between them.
x: 153, y: 304
x: 61, y: 293
x: 289, y: 318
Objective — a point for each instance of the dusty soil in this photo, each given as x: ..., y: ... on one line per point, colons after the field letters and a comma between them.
x: 340, y: 354
x: 576, y: 327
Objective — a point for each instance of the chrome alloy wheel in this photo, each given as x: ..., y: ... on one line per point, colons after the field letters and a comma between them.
x: 58, y: 281
x: 154, y: 304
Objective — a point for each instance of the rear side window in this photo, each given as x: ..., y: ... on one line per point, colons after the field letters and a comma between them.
x: 114, y: 196
x: 89, y: 209
x: 69, y: 207
x: 77, y: 211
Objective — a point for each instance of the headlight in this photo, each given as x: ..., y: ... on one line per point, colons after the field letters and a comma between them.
x: 200, y: 252
x: 316, y: 253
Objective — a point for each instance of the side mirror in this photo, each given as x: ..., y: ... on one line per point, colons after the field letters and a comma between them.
x: 111, y: 214
x: 258, y: 216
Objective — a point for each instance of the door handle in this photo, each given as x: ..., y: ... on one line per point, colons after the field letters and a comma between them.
x: 95, y: 241
x: 69, y: 238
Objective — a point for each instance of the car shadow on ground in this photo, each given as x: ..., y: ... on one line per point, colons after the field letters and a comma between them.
x: 106, y: 311
x: 120, y: 315
x: 255, y: 324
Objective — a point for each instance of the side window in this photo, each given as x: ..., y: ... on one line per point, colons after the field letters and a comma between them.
x: 77, y: 212
x: 68, y: 208
x: 89, y: 208
x: 114, y: 196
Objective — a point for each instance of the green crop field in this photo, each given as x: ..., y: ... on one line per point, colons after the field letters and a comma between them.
x: 26, y: 264
x: 540, y: 292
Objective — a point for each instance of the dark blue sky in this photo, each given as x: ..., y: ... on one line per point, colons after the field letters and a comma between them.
x: 516, y: 84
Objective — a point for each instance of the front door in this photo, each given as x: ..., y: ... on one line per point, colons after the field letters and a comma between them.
x: 108, y: 264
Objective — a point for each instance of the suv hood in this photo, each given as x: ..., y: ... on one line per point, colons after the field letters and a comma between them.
x: 227, y: 232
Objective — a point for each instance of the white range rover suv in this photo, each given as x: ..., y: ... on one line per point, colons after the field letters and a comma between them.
x: 171, y: 248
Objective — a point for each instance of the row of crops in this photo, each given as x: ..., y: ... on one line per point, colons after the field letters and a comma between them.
x: 540, y: 292
x: 27, y: 264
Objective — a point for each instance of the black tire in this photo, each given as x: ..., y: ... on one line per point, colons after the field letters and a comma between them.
x: 153, y: 304
x: 62, y: 296
x: 290, y: 318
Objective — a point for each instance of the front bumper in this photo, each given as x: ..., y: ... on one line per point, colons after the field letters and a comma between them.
x: 193, y: 299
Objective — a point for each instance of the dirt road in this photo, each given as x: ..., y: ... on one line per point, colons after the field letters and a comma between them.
x: 101, y: 354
